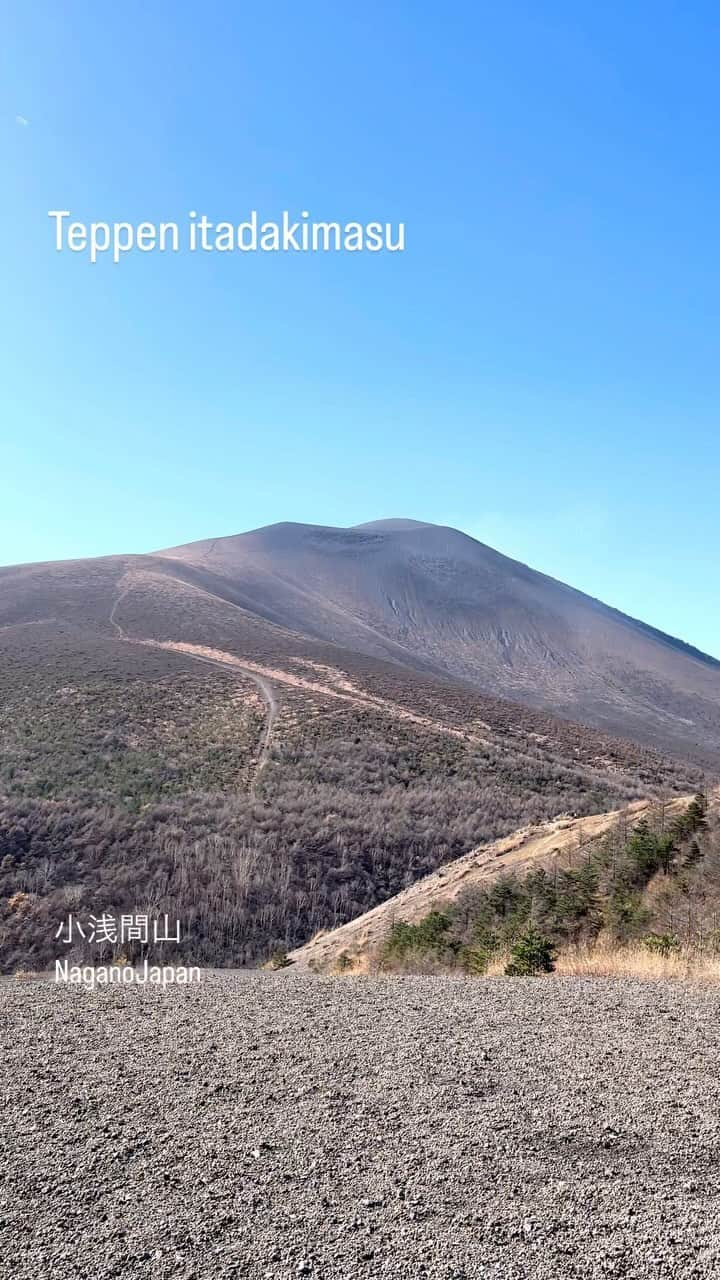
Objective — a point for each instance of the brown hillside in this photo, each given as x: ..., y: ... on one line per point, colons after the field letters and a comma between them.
x: 560, y: 842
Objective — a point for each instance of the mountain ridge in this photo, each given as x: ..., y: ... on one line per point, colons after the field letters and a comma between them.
x: 402, y: 525
x: 390, y: 525
x: 428, y: 597
x: 460, y: 608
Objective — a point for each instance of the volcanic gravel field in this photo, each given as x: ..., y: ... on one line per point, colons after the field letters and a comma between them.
x: 284, y: 1125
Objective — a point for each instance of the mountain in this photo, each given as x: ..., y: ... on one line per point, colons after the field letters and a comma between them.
x: 270, y: 734
x: 433, y: 598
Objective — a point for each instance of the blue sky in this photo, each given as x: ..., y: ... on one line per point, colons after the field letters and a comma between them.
x: 540, y: 367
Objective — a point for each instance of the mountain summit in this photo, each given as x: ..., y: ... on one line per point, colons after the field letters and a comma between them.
x: 424, y: 597
x: 432, y: 597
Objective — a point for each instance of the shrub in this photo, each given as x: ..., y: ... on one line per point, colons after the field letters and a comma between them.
x: 429, y: 935
x: 280, y: 959
x: 475, y: 960
x: 663, y: 944
x: 533, y: 953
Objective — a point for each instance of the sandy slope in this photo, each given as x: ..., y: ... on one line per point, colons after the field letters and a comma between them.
x: 547, y: 844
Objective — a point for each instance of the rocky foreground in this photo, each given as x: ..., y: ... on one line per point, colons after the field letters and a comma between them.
x: 279, y: 1126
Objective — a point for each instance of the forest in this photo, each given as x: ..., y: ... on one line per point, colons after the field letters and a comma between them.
x: 655, y: 882
x: 142, y: 795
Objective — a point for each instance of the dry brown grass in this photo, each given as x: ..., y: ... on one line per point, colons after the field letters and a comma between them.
x: 605, y: 960
x: 602, y: 959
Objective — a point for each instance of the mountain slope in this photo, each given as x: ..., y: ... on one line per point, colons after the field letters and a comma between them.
x: 435, y: 599
x: 258, y: 801
x: 561, y: 842
x: 426, y: 598
x: 264, y: 735
x: 646, y: 877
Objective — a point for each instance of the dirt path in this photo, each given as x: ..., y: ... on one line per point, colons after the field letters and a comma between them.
x: 266, y: 691
x: 226, y: 662
x: 331, y: 683
x: 272, y: 708
x: 30, y: 622
x: 113, y: 623
x: 337, y: 686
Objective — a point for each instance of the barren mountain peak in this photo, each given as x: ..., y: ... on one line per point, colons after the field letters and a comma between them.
x: 395, y: 525
x: 424, y: 596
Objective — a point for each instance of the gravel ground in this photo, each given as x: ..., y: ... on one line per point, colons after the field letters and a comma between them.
x: 277, y: 1126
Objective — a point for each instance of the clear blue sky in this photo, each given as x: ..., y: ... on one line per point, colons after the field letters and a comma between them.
x: 540, y: 367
